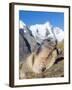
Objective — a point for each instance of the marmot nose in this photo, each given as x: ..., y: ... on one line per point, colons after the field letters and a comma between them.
x: 43, y: 69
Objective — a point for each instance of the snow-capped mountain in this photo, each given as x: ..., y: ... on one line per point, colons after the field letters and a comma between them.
x: 22, y: 24
x: 43, y: 31
x: 24, y: 28
x: 46, y: 30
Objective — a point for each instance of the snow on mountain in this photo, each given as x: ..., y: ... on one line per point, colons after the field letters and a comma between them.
x: 24, y: 28
x: 22, y: 24
x: 43, y: 31
x: 59, y: 33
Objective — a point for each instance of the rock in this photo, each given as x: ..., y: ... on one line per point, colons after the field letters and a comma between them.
x: 27, y: 44
x: 24, y: 47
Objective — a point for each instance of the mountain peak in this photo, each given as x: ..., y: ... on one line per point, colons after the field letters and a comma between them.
x: 48, y: 24
x: 22, y: 24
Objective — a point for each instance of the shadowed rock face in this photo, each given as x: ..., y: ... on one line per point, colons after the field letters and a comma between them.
x: 24, y: 47
x: 27, y: 44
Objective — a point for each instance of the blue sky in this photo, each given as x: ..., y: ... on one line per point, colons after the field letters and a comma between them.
x: 35, y: 17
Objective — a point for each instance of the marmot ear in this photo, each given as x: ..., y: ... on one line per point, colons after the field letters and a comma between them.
x: 33, y: 58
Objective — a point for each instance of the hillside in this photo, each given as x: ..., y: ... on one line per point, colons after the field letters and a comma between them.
x: 28, y: 44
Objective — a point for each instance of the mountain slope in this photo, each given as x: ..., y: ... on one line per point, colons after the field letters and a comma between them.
x: 27, y: 42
